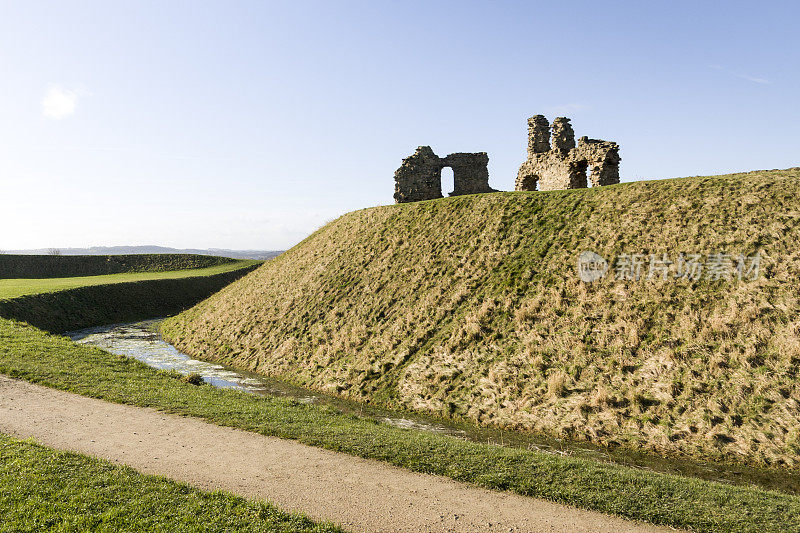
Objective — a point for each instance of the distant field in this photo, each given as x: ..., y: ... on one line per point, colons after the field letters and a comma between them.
x: 14, y: 288
x: 70, y: 266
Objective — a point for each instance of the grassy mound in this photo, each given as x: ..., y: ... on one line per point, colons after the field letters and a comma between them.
x: 67, y: 266
x: 472, y: 307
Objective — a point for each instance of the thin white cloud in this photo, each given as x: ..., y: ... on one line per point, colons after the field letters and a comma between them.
x: 753, y: 79
x: 566, y: 109
x: 59, y: 103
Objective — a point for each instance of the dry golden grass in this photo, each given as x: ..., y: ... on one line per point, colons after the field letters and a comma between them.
x: 471, y: 307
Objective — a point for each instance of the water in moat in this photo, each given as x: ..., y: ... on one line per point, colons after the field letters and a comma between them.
x: 142, y: 341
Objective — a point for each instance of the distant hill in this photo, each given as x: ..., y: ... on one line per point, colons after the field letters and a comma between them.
x: 472, y: 306
x: 123, y: 250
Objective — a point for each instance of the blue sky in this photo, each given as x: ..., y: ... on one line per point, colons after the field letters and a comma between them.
x: 249, y: 124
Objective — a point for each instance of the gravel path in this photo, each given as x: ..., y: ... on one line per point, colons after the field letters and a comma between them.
x: 359, y: 494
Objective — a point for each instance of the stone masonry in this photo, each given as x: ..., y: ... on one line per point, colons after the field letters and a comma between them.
x: 564, y: 165
x: 420, y: 175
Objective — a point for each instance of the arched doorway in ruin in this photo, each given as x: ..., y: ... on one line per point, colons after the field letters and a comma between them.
x: 529, y: 182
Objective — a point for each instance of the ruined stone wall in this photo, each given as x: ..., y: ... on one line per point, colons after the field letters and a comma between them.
x: 420, y: 175
x: 470, y: 172
x: 564, y: 165
x: 603, y: 159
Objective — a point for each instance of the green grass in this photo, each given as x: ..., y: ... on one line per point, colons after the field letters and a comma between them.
x: 470, y: 307
x: 47, y: 490
x: 70, y: 266
x: 14, y: 288
x: 122, y: 301
x: 30, y: 354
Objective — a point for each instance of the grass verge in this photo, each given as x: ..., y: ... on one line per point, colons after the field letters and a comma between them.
x: 14, y: 288
x: 30, y: 354
x: 48, y: 490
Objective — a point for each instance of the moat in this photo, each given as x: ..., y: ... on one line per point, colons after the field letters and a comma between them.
x: 142, y: 341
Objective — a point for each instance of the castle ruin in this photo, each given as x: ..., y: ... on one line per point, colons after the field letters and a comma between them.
x: 564, y: 165
x: 420, y: 175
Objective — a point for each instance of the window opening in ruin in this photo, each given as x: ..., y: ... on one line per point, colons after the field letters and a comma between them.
x: 448, y: 182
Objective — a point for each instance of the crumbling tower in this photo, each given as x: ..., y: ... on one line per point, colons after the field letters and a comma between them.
x: 563, y: 135
x: 564, y: 164
x: 538, y: 135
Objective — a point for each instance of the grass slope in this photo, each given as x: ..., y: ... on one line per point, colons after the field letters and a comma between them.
x: 30, y: 354
x: 14, y: 288
x: 67, y: 266
x: 47, y: 490
x: 471, y: 307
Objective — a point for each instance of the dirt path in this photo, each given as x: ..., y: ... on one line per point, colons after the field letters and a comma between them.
x: 359, y: 494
